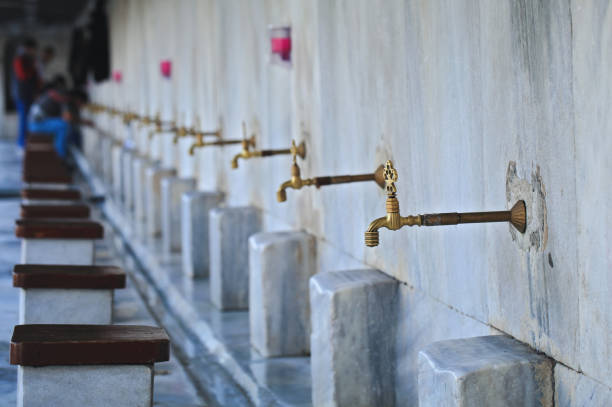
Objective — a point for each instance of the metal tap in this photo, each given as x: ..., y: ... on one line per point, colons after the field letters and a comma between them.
x: 160, y: 126
x: 297, y: 182
x: 517, y: 216
x: 247, y: 153
x: 128, y: 117
x: 217, y: 133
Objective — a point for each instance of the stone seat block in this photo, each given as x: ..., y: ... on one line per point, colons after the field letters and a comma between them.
x: 194, y: 230
x: 354, y: 314
x: 154, y: 176
x: 280, y: 266
x: 86, y: 365
x: 66, y: 294
x: 230, y: 229
x: 29, y: 211
x: 58, y: 241
x: 496, y: 371
x: 172, y: 189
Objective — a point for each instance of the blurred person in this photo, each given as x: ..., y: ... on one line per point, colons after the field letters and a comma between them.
x: 56, y: 111
x: 26, y: 84
x: 46, y: 57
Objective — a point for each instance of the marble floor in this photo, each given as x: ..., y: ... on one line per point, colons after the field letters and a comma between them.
x: 173, y: 384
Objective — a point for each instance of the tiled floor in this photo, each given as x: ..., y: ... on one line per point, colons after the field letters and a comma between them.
x: 173, y: 386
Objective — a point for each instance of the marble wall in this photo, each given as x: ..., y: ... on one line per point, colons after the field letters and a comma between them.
x: 477, y: 103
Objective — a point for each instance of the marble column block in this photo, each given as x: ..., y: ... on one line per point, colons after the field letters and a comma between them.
x: 139, y: 166
x: 127, y: 157
x: 172, y: 189
x: 92, y: 386
x: 280, y: 266
x: 65, y: 306
x: 230, y: 229
x: 117, y: 181
x: 57, y: 251
x: 194, y: 230
x: 107, y: 160
x: 154, y: 176
x: 354, y: 314
x: 495, y: 371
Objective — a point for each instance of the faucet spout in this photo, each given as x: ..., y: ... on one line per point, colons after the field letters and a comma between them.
x: 281, y: 194
x: 517, y: 216
x: 242, y: 154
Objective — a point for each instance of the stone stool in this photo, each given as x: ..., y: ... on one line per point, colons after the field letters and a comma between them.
x: 354, y: 313
x: 496, y: 371
x: 172, y: 189
x: 154, y: 177
x: 230, y: 229
x: 195, y: 207
x: 280, y: 265
x: 74, y: 211
x: 86, y: 365
x: 58, y: 241
x: 60, y: 294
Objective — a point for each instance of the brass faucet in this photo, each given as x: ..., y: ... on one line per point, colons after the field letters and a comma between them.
x: 129, y: 116
x: 247, y: 153
x: 517, y: 216
x: 297, y: 182
x: 217, y: 133
x: 159, y: 126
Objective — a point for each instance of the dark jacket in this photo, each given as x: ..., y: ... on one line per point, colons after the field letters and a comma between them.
x: 27, y: 79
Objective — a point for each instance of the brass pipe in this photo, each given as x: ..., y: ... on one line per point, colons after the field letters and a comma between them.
x: 517, y: 216
x: 246, y: 153
x: 201, y: 143
x: 297, y: 182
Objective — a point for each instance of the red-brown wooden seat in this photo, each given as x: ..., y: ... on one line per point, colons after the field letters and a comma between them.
x: 46, y: 345
x: 71, y: 194
x: 54, y: 211
x: 68, y: 276
x: 58, y: 229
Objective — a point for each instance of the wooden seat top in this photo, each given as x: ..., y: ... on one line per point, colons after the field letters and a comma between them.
x: 55, y: 211
x: 51, y: 194
x: 58, y: 229
x: 68, y: 276
x: 47, y: 345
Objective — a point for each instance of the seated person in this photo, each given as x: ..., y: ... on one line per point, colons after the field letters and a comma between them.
x: 56, y: 111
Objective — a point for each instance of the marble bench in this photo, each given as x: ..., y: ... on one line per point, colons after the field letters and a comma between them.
x: 353, y: 343
x: 86, y: 365
x: 494, y: 370
x: 66, y: 294
x: 58, y: 241
x: 30, y: 211
x: 280, y: 266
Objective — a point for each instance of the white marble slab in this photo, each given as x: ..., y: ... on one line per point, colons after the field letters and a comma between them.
x: 91, y: 386
x: 195, y: 207
x: 65, y: 306
x: 280, y: 266
x: 230, y: 229
x: 493, y: 371
x: 57, y: 251
x: 353, y: 338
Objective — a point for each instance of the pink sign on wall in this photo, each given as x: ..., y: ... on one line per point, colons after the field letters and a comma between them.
x: 117, y: 75
x: 165, y: 67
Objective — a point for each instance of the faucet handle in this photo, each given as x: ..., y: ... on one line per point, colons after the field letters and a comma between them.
x: 390, y: 178
x: 296, y: 150
x: 247, y: 142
